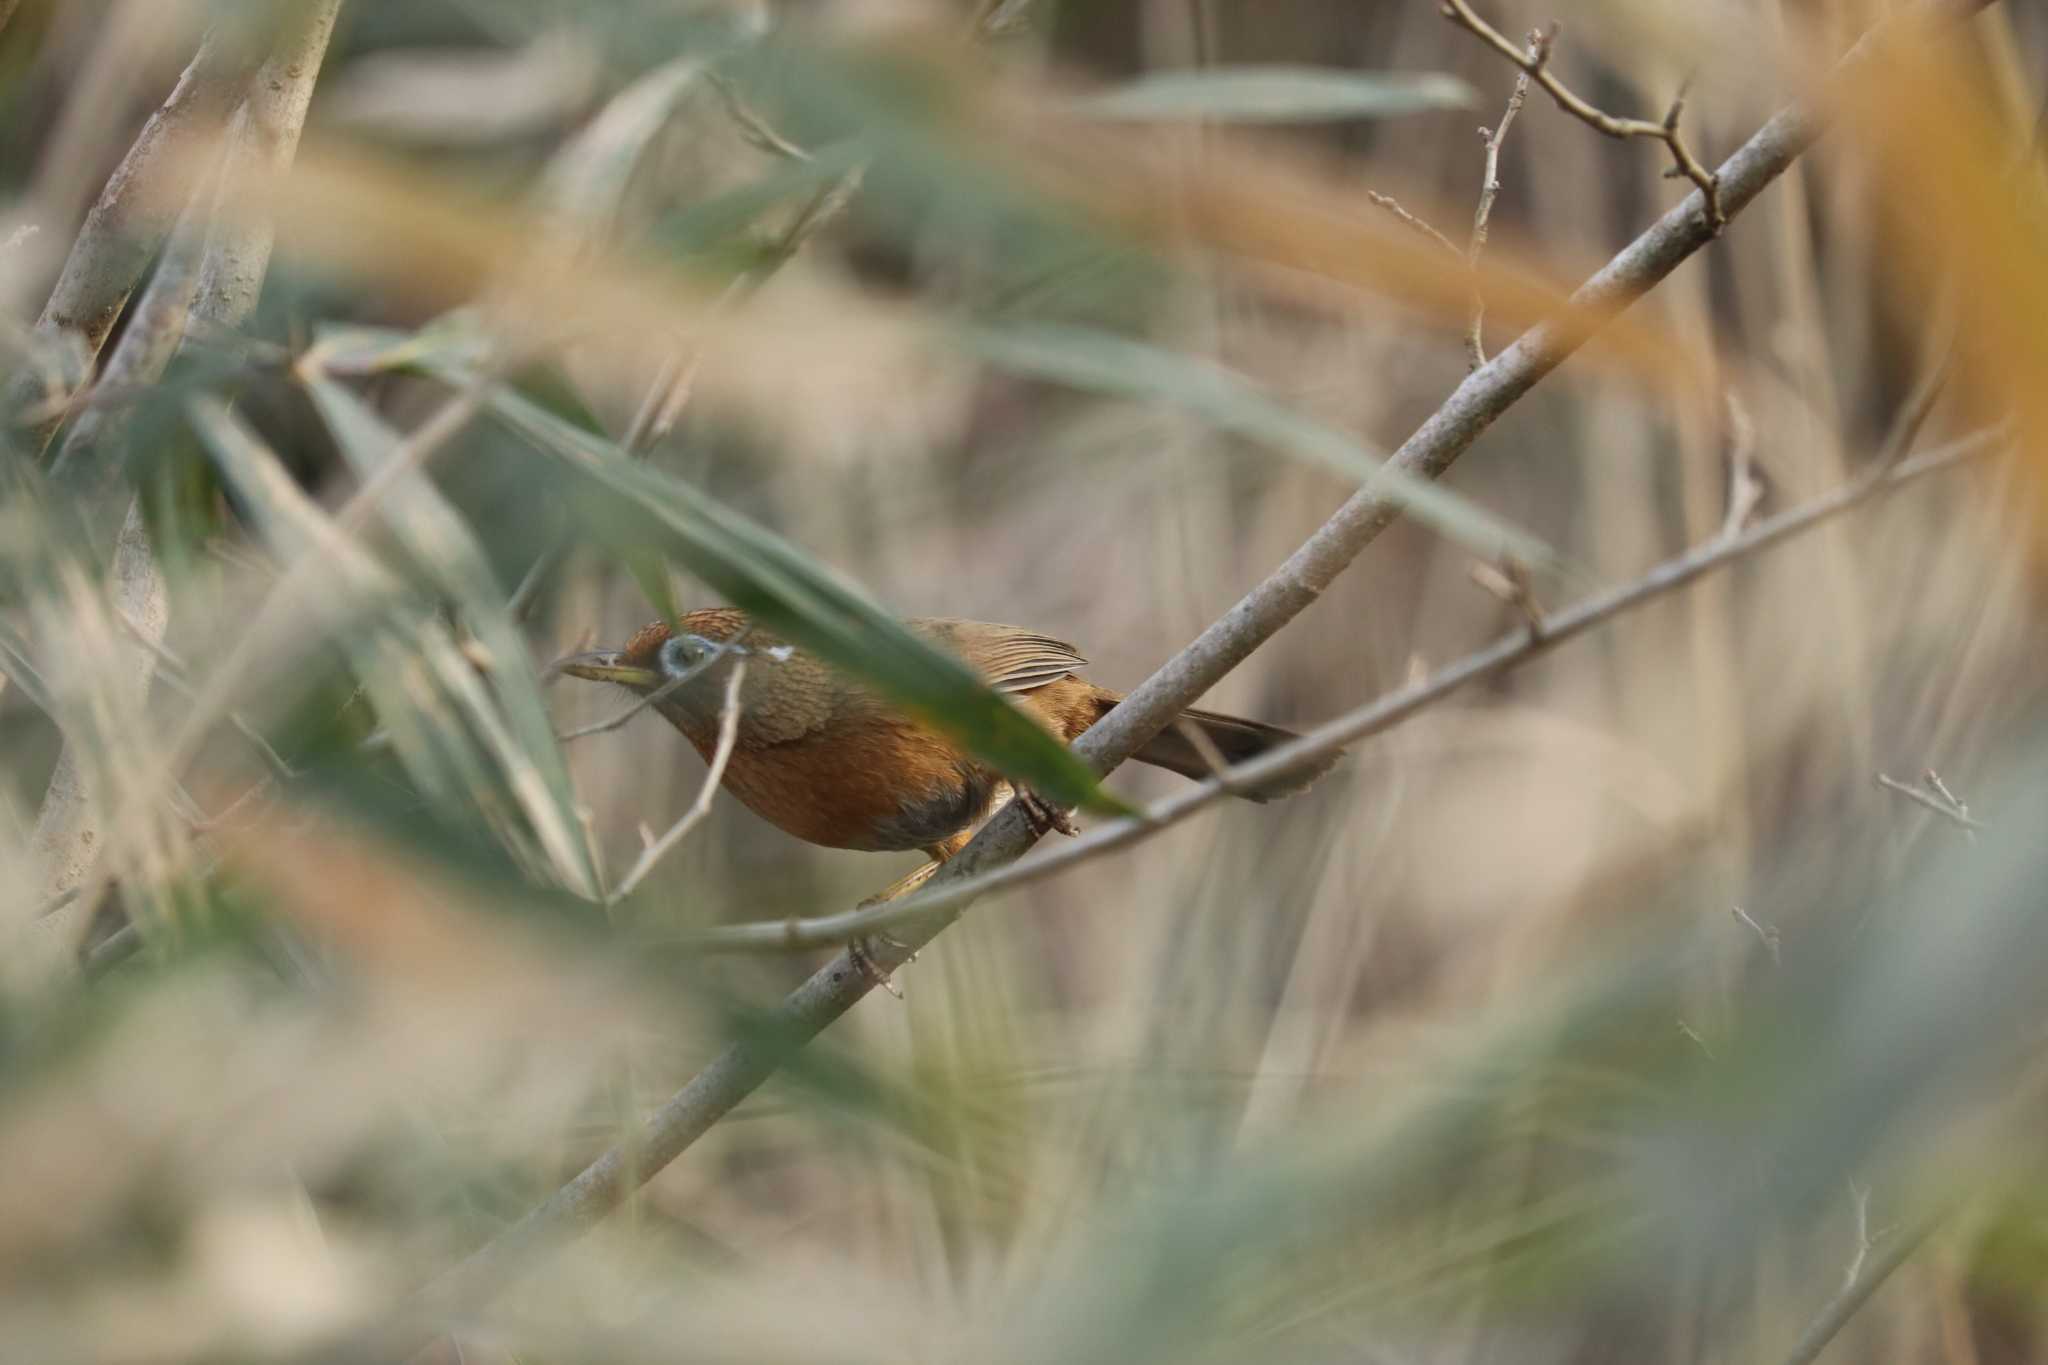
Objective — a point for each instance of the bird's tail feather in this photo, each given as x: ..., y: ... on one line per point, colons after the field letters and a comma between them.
x: 1235, y: 740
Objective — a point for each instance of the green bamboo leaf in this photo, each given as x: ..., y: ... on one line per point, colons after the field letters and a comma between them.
x: 437, y: 539
x: 1276, y: 94
x: 1102, y: 362
x: 408, y: 662
x: 769, y: 578
x: 586, y: 181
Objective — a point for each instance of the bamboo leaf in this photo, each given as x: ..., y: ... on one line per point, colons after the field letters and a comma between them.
x: 407, y: 660
x: 438, y: 540
x: 1276, y: 94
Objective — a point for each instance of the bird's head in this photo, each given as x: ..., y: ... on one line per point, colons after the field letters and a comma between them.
x: 686, y: 660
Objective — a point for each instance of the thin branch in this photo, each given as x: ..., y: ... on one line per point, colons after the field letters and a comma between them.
x: 753, y: 127
x: 1768, y: 933
x: 1859, y: 1199
x: 1745, y: 488
x: 839, y: 985
x: 1933, y: 779
x: 1371, y: 719
x: 1934, y: 801
x: 1919, y: 404
x: 1393, y: 206
x: 728, y: 732
x: 1866, y: 1273
x: 1475, y: 332
x: 1536, y: 65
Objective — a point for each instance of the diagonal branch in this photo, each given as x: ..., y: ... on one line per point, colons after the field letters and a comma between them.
x: 1449, y: 432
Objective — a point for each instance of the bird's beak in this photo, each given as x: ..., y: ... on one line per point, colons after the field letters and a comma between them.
x: 605, y: 665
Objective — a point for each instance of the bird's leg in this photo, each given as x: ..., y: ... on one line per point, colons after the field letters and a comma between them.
x: 1045, y: 816
x: 859, y: 949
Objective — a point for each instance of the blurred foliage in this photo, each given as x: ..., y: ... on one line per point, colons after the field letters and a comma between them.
x: 1078, y: 315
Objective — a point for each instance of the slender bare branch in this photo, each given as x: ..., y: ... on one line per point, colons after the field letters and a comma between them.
x: 1767, y: 933
x: 1393, y: 206
x: 753, y: 127
x: 1489, y: 187
x: 1934, y: 801
x: 1870, y: 1268
x: 728, y: 732
x: 1745, y: 487
x: 1536, y: 65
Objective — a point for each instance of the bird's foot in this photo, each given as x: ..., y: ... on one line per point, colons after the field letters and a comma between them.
x: 1046, y: 817
x: 863, y: 957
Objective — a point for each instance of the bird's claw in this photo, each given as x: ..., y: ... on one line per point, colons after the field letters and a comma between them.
x: 864, y: 958
x: 1046, y: 817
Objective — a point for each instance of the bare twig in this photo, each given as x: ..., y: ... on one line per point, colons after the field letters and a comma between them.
x: 1371, y: 719
x: 1510, y: 582
x: 1933, y: 779
x: 1937, y: 801
x: 1393, y: 206
x: 1919, y: 404
x: 728, y: 732
x: 1768, y: 933
x: 1867, y: 1271
x: 1536, y: 65
x: 1481, y: 399
x: 753, y: 127
x: 1859, y: 1199
x: 1475, y: 332
x: 1693, y: 1034
x: 1745, y: 488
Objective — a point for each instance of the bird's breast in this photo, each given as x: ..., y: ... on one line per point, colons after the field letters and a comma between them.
x: 879, y: 786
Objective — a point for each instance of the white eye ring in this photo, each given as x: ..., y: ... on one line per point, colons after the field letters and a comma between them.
x: 681, y: 653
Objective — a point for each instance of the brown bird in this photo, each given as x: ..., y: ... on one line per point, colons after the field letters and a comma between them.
x: 824, y: 758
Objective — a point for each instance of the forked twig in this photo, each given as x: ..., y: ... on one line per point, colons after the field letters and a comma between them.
x: 1475, y: 334
x: 1537, y: 68
x: 1937, y: 800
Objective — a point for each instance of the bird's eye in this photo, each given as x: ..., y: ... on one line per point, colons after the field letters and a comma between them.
x: 681, y: 653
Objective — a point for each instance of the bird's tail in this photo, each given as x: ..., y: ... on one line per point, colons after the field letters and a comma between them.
x: 1234, y: 740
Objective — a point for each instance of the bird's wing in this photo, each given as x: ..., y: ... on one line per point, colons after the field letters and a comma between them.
x: 1009, y: 658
